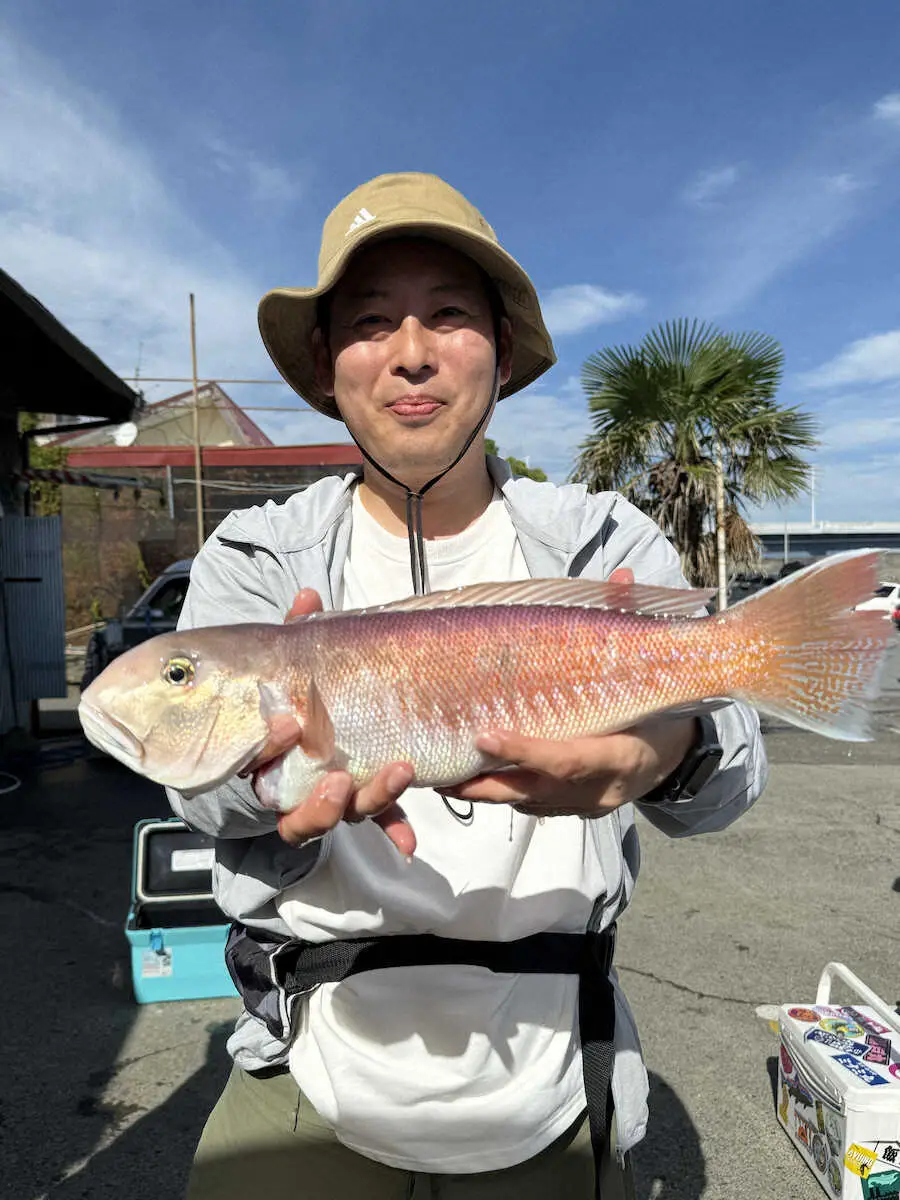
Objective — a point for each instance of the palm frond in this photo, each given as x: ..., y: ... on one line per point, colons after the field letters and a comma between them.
x: 661, y: 411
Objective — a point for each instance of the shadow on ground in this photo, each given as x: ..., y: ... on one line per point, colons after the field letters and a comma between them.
x: 65, y: 875
x: 65, y: 881
x: 669, y: 1162
x: 152, y: 1158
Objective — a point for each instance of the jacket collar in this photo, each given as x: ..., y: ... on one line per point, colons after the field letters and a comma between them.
x: 560, y: 519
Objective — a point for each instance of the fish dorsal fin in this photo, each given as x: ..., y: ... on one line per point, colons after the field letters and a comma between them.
x: 563, y: 593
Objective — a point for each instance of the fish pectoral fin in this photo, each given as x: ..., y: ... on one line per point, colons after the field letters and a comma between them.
x: 563, y: 593
x: 317, y: 739
x: 274, y: 701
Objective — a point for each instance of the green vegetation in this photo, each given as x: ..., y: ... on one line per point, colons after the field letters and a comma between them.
x: 46, y: 498
x: 515, y: 464
x: 688, y: 413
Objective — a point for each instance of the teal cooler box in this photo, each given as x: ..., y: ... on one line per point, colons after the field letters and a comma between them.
x: 175, y: 929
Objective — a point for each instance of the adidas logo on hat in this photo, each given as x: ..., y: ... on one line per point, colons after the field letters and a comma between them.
x: 362, y: 218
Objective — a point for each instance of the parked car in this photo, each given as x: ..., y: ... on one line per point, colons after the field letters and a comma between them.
x: 156, y: 612
x: 746, y: 584
x: 885, y: 598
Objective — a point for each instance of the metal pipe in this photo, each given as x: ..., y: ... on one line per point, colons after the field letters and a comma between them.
x: 198, y: 462
x: 170, y: 492
x: 52, y: 430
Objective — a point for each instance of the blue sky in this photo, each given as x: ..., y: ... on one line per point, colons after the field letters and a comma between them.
x: 739, y: 163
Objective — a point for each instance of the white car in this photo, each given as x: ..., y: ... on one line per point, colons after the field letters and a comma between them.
x: 885, y: 599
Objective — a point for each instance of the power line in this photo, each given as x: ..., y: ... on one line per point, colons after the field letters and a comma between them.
x: 236, y: 485
x: 186, y: 379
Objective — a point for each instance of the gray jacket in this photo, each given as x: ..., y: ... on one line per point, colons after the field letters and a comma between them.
x: 250, y: 570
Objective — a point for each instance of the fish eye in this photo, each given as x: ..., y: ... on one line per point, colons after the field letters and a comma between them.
x: 178, y: 671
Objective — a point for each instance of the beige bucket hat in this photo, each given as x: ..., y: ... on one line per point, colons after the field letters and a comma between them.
x: 389, y: 206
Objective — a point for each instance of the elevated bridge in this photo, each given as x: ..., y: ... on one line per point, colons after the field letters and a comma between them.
x: 795, y: 539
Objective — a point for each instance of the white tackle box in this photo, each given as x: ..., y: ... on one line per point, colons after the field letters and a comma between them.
x: 839, y: 1088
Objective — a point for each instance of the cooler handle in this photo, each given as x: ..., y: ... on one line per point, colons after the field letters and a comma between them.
x: 836, y: 969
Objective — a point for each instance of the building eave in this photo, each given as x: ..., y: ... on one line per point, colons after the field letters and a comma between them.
x: 47, y: 369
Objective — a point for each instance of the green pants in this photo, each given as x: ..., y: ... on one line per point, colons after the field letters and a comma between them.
x: 265, y: 1139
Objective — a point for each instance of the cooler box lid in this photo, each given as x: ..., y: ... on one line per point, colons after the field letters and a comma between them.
x: 850, y: 1052
x: 172, y: 864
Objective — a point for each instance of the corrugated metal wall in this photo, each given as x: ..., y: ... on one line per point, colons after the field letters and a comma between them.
x: 32, y: 613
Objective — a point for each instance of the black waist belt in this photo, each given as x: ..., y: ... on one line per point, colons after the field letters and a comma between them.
x: 271, y: 975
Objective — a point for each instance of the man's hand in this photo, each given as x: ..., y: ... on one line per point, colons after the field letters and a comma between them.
x: 586, y: 777
x: 335, y: 799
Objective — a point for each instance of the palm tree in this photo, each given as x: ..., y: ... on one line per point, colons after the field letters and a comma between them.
x: 686, y: 425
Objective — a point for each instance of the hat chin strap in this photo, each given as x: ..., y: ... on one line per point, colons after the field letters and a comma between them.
x: 414, y: 498
x: 416, y: 538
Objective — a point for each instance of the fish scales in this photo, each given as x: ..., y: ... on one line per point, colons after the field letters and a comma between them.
x: 420, y: 679
x: 432, y: 681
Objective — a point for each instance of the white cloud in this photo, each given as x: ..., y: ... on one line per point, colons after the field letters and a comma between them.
x: 710, y: 185
x: 844, y: 437
x: 544, y: 427
x: 783, y: 223
x: 867, y: 489
x: 864, y: 488
x: 88, y: 225
x: 857, y: 461
x: 844, y: 182
x: 872, y: 359
x: 787, y: 213
x: 888, y: 108
x: 580, y: 306
x: 266, y: 184
x: 305, y: 427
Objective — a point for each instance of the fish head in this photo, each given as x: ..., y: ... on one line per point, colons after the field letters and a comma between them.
x: 182, y: 709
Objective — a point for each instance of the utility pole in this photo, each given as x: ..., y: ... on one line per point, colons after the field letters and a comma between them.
x: 198, y: 461
x: 812, y: 496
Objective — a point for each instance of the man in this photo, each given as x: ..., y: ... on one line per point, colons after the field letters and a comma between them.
x: 439, y: 1073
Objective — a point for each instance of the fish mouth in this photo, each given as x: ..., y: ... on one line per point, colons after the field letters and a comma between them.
x: 110, y: 735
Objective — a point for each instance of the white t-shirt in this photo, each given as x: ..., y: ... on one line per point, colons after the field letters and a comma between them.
x: 450, y: 1069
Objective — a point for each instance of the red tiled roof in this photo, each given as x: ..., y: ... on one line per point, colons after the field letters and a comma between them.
x: 116, y: 457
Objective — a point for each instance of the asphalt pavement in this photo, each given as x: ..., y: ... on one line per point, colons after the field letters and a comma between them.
x: 105, y: 1098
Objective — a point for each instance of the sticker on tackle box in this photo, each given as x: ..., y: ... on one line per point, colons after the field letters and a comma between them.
x: 834, y: 1041
x: 881, y: 1185
x: 156, y: 964
x: 878, y: 1050
x: 860, y: 1070
x: 838, y: 1089
x: 859, y: 1159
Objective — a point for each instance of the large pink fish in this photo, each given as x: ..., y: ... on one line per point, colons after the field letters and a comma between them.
x: 418, y: 680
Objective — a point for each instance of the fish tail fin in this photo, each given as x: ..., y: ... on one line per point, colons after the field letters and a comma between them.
x: 824, y: 660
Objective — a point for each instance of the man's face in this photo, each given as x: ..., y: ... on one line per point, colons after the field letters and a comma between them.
x: 410, y: 354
